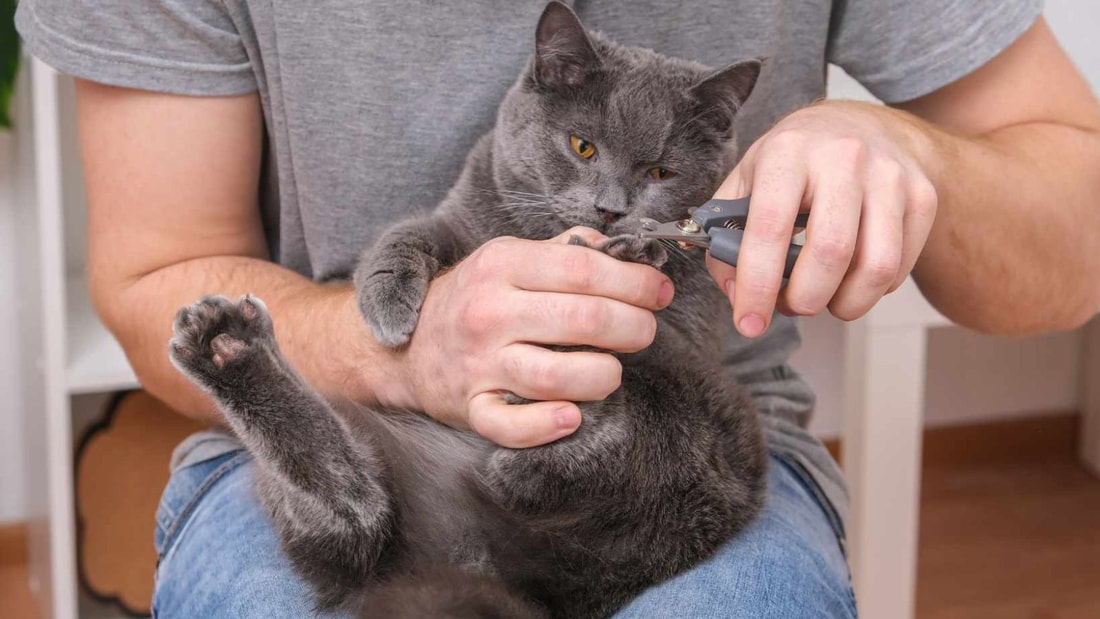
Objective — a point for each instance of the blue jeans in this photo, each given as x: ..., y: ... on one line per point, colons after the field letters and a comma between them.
x: 220, y: 557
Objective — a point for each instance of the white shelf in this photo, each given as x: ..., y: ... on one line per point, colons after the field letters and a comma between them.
x: 96, y: 363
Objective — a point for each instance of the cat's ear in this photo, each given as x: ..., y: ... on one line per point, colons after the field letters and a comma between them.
x: 723, y: 92
x: 563, y: 54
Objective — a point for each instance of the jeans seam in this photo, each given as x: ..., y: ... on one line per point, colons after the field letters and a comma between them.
x: 819, y: 496
x: 806, y: 479
x: 211, y: 479
x: 164, y: 506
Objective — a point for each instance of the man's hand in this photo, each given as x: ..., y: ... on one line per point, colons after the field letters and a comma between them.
x: 484, y: 323
x: 994, y: 180
x: 856, y: 168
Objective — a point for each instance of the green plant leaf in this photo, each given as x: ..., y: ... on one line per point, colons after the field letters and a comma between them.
x: 9, y: 58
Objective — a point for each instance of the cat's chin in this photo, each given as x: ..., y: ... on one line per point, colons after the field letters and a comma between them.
x: 626, y: 225
x: 603, y: 227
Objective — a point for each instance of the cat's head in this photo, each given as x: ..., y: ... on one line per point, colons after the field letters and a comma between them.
x: 604, y: 134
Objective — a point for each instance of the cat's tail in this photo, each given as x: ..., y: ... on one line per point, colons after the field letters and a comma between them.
x: 447, y: 593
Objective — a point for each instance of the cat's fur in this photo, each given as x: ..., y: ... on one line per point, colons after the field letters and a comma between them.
x: 392, y: 513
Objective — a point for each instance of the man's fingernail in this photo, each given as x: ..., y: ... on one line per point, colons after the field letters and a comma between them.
x: 751, y: 325
x: 664, y: 295
x: 728, y: 287
x: 567, y: 417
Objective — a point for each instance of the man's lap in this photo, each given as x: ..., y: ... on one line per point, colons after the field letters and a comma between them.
x: 220, y: 556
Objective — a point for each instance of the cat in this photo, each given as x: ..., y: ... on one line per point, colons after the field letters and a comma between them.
x: 388, y: 513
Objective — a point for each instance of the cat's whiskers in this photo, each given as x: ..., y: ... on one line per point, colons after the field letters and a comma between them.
x: 523, y: 213
x: 509, y: 194
x: 521, y: 193
x: 521, y: 204
x: 675, y: 251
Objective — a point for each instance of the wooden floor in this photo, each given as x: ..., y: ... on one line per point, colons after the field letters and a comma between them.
x: 15, y: 595
x: 1010, y: 527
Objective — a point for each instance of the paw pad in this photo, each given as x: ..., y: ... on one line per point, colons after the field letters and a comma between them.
x: 214, y: 332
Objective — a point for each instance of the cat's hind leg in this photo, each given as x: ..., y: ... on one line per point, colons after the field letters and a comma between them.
x: 328, y: 496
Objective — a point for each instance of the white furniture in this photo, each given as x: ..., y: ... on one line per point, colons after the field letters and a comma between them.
x: 72, y: 353
x: 883, y: 424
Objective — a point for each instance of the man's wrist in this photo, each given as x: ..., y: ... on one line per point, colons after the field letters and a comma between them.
x: 369, y: 372
x: 924, y: 142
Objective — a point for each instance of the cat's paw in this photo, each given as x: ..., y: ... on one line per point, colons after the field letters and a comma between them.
x: 216, y: 334
x: 629, y: 248
x: 390, y: 302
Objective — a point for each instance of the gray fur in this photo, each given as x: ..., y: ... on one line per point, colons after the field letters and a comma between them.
x: 373, y: 505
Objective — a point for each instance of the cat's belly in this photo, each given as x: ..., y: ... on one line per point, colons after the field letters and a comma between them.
x: 432, y: 469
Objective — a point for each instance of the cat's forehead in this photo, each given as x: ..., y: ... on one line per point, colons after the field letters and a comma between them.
x: 642, y: 72
x: 644, y: 107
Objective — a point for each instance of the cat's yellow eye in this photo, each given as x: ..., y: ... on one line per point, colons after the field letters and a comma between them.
x: 660, y: 174
x: 582, y: 147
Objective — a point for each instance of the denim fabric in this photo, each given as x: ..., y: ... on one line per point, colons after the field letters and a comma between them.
x: 220, y: 557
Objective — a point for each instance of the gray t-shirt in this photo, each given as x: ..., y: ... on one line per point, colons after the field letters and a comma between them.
x: 370, y: 106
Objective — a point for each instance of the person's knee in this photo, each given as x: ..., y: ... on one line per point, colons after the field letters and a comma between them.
x: 798, y: 578
x: 773, y: 571
x: 226, y: 560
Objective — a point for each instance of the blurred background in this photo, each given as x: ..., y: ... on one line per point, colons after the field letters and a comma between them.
x: 973, y: 459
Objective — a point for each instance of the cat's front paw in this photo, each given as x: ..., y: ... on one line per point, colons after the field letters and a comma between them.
x: 215, y: 334
x: 390, y: 302
x: 630, y: 248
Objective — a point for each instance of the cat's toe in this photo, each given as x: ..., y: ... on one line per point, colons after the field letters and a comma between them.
x: 391, y: 306
x: 576, y: 239
x: 391, y: 326
x: 631, y: 248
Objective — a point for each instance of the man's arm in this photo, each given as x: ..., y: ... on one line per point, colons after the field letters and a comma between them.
x: 173, y: 215
x: 1016, y: 159
x: 992, y: 182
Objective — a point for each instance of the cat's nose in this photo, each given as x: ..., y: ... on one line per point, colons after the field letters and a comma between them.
x: 609, y: 216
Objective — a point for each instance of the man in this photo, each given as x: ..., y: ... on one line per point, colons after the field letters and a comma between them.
x: 236, y: 146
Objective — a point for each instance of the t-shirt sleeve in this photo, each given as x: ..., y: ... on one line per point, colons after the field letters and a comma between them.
x: 902, y: 49
x: 188, y: 47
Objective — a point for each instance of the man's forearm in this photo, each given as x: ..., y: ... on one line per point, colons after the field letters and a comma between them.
x: 1012, y: 248
x: 318, y: 327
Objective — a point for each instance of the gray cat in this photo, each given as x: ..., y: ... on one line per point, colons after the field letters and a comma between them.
x: 391, y: 514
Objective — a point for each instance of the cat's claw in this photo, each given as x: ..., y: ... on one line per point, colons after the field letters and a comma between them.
x: 214, y: 333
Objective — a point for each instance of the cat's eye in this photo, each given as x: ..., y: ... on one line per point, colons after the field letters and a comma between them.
x: 582, y: 147
x: 660, y: 174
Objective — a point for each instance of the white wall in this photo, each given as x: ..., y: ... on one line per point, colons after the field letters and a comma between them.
x: 970, y: 376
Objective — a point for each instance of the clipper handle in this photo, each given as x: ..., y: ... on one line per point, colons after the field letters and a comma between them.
x: 725, y: 245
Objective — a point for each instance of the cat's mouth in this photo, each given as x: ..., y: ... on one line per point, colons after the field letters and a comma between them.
x: 609, y: 218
